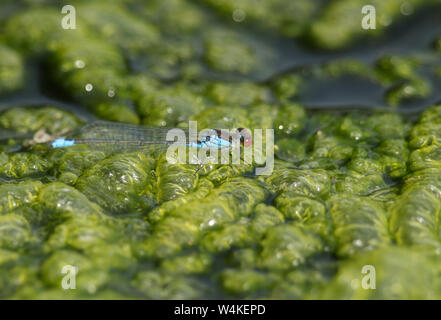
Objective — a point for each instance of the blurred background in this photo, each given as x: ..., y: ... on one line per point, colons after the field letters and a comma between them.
x: 142, y: 58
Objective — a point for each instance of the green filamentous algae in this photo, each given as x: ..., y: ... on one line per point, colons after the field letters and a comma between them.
x: 356, y: 186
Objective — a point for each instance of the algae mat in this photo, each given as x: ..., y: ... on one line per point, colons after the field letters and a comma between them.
x: 353, y: 202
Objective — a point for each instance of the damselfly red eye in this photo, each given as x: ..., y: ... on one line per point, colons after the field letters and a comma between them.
x: 247, y: 142
x: 245, y: 137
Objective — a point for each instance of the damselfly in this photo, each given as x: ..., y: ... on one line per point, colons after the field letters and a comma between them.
x: 113, y: 136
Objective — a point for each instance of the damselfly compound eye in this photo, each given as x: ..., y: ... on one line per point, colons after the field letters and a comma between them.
x: 245, y: 137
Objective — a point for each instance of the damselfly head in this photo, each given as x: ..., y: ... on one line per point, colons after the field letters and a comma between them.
x: 245, y: 137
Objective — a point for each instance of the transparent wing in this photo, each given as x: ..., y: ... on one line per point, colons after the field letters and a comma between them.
x: 114, y: 136
x: 6, y: 134
x: 117, y: 132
